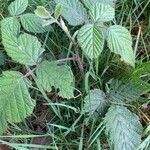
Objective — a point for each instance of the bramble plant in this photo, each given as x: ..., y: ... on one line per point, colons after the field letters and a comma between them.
x: 96, y: 28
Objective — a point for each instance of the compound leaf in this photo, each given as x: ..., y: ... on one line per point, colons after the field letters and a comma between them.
x: 73, y: 11
x: 95, y: 102
x: 49, y: 75
x: 15, y: 101
x: 102, y: 12
x: 17, y: 7
x: 33, y: 23
x: 91, y: 40
x: 123, y: 128
x: 120, y: 42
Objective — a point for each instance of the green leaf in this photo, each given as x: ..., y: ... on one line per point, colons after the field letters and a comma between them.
x: 17, y: 7
x: 58, y: 10
x: 15, y: 101
x: 102, y: 12
x: 120, y: 42
x: 42, y: 12
x: 10, y: 28
x: 91, y: 3
x: 10, y: 25
x: 123, y: 128
x: 26, y: 49
x: 91, y: 40
x: 95, y: 102
x: 73, y: 11
x: 33, y: 23
x: 128, y: 90
x: 49, y: 75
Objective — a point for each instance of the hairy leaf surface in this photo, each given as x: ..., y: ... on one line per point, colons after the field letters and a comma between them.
x: 73, y: 11
x: 120, y: 42
x: 33, y: 23
x: 91, y: 40
x: 49, y: 75
x: 15, y: 101
x: 123, y: 128
x: 102, y: 12
x: 17, y: 7
x: 95, y: 102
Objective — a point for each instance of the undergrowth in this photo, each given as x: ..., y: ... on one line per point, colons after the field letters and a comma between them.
x: 75, y: 75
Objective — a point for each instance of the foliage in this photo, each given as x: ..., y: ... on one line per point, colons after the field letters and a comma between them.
x: 91, y: 40
x: 15, y: 101
x: 120, y: 42
x: 127, y: 90
x: 95, y: 102
x: 49, y: 75
x: 72, y: 61
x: 123, y: 128
x: 73, y: 11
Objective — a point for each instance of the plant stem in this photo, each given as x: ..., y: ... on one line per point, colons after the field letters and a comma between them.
x: 67, y: 59
x: 75, y: 45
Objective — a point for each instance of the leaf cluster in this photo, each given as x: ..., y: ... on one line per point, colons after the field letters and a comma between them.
x: 95, y: 31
